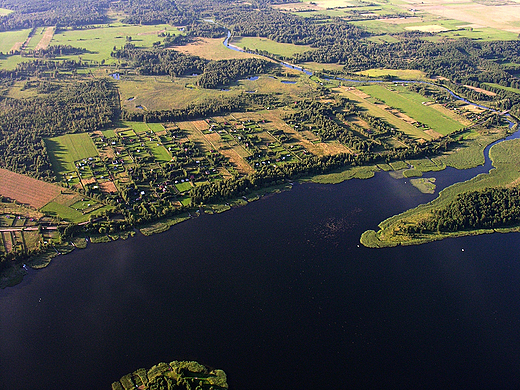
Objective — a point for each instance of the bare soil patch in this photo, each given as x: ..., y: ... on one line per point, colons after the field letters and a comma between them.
x: 46, y: 38
x: 358, y: 93
x: 433, y: 134
x: 108, y: 187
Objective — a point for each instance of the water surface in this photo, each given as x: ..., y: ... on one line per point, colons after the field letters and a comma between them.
x: 280, y: 296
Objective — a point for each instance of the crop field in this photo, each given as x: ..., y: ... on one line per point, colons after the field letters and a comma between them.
x: 26, y: 190
x: 100, y: 41
x: 67, y: 149
x: 412, y: 104
x: 265, y: 44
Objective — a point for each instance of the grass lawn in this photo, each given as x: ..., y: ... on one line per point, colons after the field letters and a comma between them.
x: 411, y: 104
x: 156, y: 127
x: 265, y: 44
x: 66, y: 149
x: 183, y: 187
x: 139, y: 127
x: 64, y: 212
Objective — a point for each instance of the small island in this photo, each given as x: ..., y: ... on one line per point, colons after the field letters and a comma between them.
x: 177, y: 375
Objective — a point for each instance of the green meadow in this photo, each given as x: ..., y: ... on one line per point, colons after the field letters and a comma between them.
x: 100, y: 41
x: 515, y: 90
x: 411, y: 104
x: 5, y: 11
x: 265, y: 44
x: 66, y: 149
x: 9, y: 38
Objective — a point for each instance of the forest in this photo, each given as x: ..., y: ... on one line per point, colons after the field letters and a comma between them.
x: 489, y: 208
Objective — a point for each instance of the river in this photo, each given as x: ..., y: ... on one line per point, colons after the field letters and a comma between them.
x: 279, y: 295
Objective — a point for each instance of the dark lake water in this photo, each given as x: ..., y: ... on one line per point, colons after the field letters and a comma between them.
x: 279, y: 295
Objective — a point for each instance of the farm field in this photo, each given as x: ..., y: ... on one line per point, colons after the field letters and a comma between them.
x: 265, y: 44
x: 401, y: 74
x: 12, y: 40
x: 67, y: 149
x: 5, y: 11
x: 412, y: 104
x: 379, y: 111
x: 162, y: 92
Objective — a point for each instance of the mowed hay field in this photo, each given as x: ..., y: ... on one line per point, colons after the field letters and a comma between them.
x: 66, y: 149
x: 411, y: 104
x: 26, y: 190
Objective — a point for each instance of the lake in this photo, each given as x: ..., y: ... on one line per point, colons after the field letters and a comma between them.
x: 278, y: 294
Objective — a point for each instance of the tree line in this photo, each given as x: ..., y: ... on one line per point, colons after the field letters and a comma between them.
x: 489, y: 208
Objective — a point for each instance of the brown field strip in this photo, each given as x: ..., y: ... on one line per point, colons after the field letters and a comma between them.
x: 26, y: 190
x: 484, y: 91
x: 46, y: 39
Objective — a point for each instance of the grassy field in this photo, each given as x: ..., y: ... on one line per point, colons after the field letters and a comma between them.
x: 264, y: 44
x: 9, y: 38
x: 411, y: 104
x: 380, y: 112
x: 100, y: 41
x: 515, y: 90
x: 470, y: 153
x: 66, y: 149
x: 36, y: 37
x: 5, y: 11
x: 401, y: 74
x: 506, y: 159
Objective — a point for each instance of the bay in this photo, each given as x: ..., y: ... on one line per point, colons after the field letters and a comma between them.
x: 280, y: 295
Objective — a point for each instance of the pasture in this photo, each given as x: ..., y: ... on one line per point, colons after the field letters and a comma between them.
x: 12, y: 40
x: 66, y: 149
x: 100, y: 41
x: 411, y: 104
x: 265, y: 44
x: 5, y: 11
x: 401, y: 74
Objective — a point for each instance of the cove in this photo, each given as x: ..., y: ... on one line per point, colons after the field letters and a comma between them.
x: 280, y: 296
